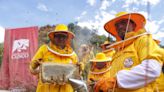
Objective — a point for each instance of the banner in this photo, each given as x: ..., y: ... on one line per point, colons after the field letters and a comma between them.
x: 20, y: 45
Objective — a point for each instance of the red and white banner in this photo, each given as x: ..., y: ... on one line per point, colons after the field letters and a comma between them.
x: 20, y: 45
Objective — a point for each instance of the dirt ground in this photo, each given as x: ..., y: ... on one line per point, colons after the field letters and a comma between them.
x: 4, y: 91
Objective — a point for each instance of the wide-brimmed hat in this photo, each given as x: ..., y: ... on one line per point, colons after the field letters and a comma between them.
x: 105, y: 43
x: 136, y: 17
x: 100, y: 57
x: 103, y: 46
x: 60, y: 28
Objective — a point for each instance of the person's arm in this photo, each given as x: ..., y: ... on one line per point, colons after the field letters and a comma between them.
x: 37, y: 59
x: 150, y: 57
x: 140, y: 75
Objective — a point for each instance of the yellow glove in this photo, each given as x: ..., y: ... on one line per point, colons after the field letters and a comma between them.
x: 81, y: 65
x: 34, y: 69
x: 105, y: 84
x: 36, y: 63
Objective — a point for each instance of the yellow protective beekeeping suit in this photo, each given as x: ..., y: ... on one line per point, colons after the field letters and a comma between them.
x: 85, y: 54
x: 86, y: 66
x: 160, y: 83
x: 96, y: 74
x: 48, y: 56
x: 137, y: 50
x: 160, y: 80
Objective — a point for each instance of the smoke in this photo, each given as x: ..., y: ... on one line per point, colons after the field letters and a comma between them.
x: 83, y: 35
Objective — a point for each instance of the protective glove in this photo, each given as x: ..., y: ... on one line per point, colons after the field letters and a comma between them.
x: 36, y: 63
x: 34, y: 69
x: 81, y: 65
x: 104, y: 84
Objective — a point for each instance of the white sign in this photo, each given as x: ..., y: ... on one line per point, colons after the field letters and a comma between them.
x: 19, y: 46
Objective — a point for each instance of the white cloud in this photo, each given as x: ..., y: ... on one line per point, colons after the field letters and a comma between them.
x: 161, y: 21
x: 83, y: 13
x: 113, y: 0
x: 98, y: 22
x: 91, y: 2
x: 144, y: 13
x: 140, y: 2
x: 89, y: 24
x: 81, y: 16
x: 152, y: 26
x: 101, y: 17
x: 130, y: 2
x: 42, y: 7
x: 159, y: 36
x: 153, y: 2
x: 2, y: 33
x: 104, y: 5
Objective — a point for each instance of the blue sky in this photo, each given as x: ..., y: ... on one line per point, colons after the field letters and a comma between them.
x: 90, y: 13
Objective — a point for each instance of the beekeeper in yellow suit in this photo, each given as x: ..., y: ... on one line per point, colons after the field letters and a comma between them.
x: 137, y: 63
x: 57, y: 51
x: 100, y: 67
x: 85, y: 53
x: 109, y: 52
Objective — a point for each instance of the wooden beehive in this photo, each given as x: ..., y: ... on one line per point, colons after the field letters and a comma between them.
x: 57, y: 73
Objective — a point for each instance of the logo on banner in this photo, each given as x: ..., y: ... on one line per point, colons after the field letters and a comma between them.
x: 19, y: 49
